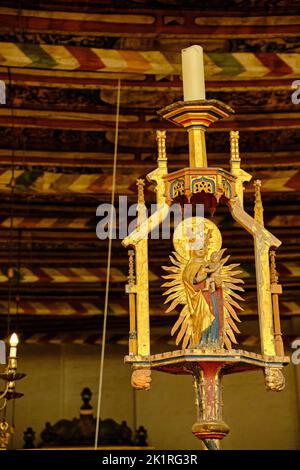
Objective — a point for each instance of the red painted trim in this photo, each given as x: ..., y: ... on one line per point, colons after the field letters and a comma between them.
x: 49, y: 24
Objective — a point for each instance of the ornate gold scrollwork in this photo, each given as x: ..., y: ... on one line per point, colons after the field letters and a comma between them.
x: 203, y: 184
x: 177, y: 189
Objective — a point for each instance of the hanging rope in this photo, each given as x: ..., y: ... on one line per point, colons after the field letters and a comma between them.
x: 111, y: 223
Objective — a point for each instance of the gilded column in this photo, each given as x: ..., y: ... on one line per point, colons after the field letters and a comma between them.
x: 262, y: 267
x: 197, y: 147
x: 142, y: 279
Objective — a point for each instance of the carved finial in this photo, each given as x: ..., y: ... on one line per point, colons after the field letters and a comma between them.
x: 131, y: 276
x: 161, y: 148
x: 241, y: 176
x: 273, y: 270
x: 234, y: 148
x: 258, y: 207
x: 140, y: 184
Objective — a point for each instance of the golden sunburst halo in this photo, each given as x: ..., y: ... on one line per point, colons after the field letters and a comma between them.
x: 189, y: 235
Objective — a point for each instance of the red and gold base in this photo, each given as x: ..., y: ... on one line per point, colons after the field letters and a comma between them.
x: 207, y: 367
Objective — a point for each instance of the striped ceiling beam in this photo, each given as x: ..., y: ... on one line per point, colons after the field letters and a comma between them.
x: 221, y: 66
x: 35, y: 221
x: 53, y: 275
x: 71, y: 274
x: 161, y: 42
x: 58, y: 239
x: 34, y: 270
x: 116, y: 308
x: 39, y: 182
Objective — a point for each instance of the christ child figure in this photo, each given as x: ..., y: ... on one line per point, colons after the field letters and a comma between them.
x: 213, y: 271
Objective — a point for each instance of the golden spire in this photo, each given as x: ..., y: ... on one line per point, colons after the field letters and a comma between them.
x: 273, y: 270
x: 161, y: 148
x: 235, y: 166
x: 141, y: 208
x: 235, y: 160
x: 140, y: 185
x: 131, y: 276
x: 162, y: 169
x: 258, y: 207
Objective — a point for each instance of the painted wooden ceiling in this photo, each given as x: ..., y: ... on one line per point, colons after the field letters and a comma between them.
x: 61, y: 61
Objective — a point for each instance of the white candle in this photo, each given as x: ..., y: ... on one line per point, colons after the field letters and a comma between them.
x: 193, y: 73
x: 14, y: 341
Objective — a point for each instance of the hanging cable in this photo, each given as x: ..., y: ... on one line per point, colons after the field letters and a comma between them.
x: 111, y: 223
x: 10, y: 271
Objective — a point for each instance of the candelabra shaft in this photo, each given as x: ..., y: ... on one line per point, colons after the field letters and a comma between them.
x: 12, y: 363
x: 197, y: 147
x: 210, y: 427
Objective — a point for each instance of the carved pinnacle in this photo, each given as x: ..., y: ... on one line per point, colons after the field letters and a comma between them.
x: 258, y: 207
x: 140, y: 184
